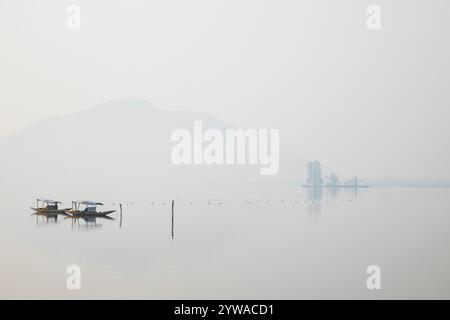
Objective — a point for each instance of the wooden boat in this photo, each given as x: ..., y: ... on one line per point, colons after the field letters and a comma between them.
x: 87, y: 209
x: 88, y: 218
x: 48, y: 207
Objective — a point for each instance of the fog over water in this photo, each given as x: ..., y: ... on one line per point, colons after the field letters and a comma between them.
x: 268, y: 243
x: 89, y: 114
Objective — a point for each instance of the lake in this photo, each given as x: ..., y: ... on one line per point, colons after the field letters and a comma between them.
x: 234, y: 243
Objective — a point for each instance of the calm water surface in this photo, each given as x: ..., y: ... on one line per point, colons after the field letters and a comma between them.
x: 261, y: 243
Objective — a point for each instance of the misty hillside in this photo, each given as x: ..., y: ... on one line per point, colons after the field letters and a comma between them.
x: 124, y: 144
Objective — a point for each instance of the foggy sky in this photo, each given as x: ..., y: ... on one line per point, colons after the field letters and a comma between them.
x: 365, y: 102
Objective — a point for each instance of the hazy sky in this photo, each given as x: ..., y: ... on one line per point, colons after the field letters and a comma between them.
x: 369, y: 102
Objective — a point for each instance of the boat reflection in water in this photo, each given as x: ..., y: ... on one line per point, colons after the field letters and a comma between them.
x: 86, y: 222
x: 47, y: 211
x: 45, y: 218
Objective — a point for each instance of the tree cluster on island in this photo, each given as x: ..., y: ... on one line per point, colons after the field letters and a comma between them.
x: 315, y: 178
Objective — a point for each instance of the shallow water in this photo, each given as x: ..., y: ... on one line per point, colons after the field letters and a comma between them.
x: 258, y: 243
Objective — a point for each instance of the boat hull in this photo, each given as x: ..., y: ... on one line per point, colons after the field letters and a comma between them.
x: 49, y: 212
x: 89, y: 214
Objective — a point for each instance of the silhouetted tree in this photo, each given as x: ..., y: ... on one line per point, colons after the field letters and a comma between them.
x: 314, y: 173
x: 333, y: 180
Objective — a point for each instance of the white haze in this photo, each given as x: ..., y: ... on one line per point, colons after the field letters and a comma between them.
x: 368, y: 103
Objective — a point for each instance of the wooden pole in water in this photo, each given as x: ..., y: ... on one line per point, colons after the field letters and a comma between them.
x: 120, y: 224
x: 173, y: 203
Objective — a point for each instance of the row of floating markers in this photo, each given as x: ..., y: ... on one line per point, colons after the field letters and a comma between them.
x: 241, y: 202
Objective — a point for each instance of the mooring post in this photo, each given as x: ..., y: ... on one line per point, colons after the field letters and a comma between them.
x: 120, y: 206
x: 173, y: 204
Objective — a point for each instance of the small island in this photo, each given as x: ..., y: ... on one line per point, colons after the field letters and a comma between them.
x: 315, y: 179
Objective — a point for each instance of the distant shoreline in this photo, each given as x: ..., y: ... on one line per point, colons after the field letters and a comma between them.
x: 337, y: 186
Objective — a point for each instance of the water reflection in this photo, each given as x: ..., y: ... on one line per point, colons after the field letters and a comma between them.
x: 315, y: 197
x: 87, y: 223
x: 43, y: 219
x: 79, y: 222
x: 332, y: 191
x: 317, y: 194
x: 139, y: 260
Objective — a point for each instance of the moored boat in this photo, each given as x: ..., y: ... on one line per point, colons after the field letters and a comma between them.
x: 87, y: 209
x: 48, y: 207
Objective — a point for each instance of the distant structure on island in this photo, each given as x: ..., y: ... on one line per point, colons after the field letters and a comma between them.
x: 315, y: 179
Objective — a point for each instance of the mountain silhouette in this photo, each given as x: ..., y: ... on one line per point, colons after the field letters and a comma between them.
x: 123, y: 145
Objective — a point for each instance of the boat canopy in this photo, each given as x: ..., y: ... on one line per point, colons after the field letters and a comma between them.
x: 89, y: 203
x: 48, y: 201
